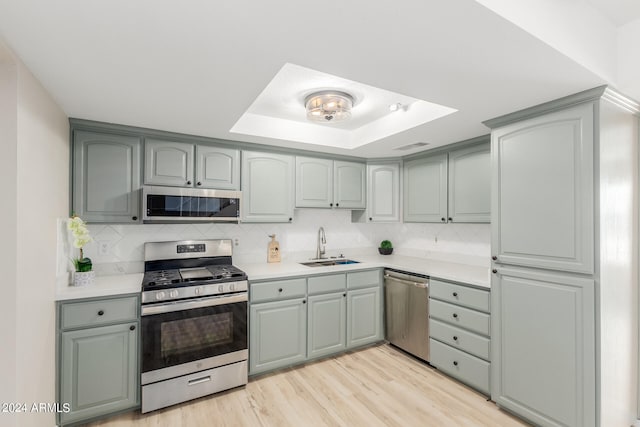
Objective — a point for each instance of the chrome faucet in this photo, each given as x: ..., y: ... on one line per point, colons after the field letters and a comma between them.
x: 322, y: 240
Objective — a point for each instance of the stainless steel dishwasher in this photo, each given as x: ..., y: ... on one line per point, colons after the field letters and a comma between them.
x: 407, y: 311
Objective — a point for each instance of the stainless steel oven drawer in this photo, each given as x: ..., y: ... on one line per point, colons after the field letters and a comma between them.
x: 460, y: 365
x: 99, y: 312
x: 166, y: 393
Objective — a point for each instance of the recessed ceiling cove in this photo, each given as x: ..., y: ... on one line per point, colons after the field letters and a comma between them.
x: 279, y: 111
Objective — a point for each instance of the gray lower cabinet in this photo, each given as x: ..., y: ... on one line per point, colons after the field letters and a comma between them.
x: 327, y: 324
x: 278, y: 334
x: 544, y: 346
x: 459, y: 332
x: 106, y: 177
x: 295, y: 320
x: 364, y: 322
x: 98, y: 357
x: 267, y: 187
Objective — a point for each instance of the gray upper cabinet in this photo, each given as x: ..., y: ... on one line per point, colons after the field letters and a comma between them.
x: 450, y: 187
x: 168, y: 163
x: 106, y: 177
x: 349, y: 185
x: 543, y: 346
x: 314, y: 182
x: 425, y: 189
x: 322, y: 183
x: 383, y: 192
x: 217, y: 167
x: 543, y: 184
x: 470, y: 184
x: 267, y: 187
x: 171, y: 163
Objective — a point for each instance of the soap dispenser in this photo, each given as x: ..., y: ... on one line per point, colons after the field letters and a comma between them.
x: 273, y: 252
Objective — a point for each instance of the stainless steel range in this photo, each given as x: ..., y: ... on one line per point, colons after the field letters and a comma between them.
x: 194, y: 322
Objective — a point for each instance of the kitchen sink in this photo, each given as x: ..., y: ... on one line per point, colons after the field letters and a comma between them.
x: 329, y: 262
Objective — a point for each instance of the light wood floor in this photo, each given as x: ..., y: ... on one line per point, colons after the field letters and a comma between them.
x: 377, y: 386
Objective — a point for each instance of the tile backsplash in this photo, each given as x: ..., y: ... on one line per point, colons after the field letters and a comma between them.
x: 120, y: 248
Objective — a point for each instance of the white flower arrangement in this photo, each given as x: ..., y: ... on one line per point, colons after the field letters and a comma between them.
x: 81, y: 237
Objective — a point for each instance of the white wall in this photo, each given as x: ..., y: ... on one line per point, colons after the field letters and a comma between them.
x: 468, y: 242
x: 36, y: 172
x: 629, y: 58
x: 8, y: 225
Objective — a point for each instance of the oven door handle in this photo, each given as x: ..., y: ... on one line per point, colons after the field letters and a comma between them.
x: 199, y: 303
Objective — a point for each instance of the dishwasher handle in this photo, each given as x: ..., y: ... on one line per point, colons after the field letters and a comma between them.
x: 422, y: 285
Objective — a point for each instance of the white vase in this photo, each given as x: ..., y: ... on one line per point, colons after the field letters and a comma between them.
x: 83, y: 278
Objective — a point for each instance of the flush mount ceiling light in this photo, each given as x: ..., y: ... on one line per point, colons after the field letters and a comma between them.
x: 328, y: 106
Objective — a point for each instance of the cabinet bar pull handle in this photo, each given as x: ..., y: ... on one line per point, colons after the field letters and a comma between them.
x: 199, y: 380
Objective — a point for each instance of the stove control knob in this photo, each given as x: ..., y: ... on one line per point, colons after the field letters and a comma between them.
x: 160, y: 295
x: 220, y: 288
x: 232, y: 287
x: 174, y: 294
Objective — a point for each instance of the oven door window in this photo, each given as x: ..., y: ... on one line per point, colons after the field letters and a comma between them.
x: 170, y: 339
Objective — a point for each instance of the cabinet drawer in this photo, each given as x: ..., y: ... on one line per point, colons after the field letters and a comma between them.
x: 324, y: 284
x: 276, y: 290
x: 460, y: 339
x: 460, y: 365
x: 363, y: 279
x: 99, y: 312
x: 459, y: 294
x: 459, y: 316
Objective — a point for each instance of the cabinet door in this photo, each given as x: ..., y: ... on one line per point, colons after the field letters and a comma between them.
x: 383, y: 192
x: 543, y: 346
x: 542, y: 209
x: 278, y: 334
x: 168, y: 163
x: 99, y: 371
x: 470, y: 184
x: 267, y: 187
x: 217, y: 168
x: 314, y: 183
x: 106, y: 177
x: 349, y: 185
x: 364, y: 316
x: 327, y: 327
x: 425, y: 189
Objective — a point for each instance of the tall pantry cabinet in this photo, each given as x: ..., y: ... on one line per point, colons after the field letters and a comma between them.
x: 564, y: 250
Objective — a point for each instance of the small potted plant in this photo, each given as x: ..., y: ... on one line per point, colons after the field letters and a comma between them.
x: 386, y: 248
x: 83, y: 267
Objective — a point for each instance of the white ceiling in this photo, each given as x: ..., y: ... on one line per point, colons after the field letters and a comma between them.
x: 196, y: 66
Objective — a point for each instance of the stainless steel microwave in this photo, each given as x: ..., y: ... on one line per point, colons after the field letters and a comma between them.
x: 174, y: 204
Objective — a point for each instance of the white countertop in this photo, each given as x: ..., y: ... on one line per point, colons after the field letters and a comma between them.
x: 465, y: 273
x: 102, y: 286
x: 130, y: 283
